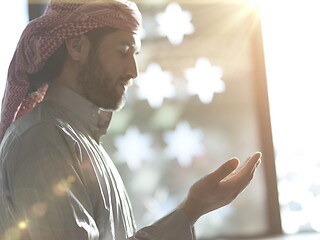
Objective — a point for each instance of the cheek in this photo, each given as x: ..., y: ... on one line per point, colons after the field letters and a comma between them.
x: 112, y: 63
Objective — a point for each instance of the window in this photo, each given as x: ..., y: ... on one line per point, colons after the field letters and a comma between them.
x: 292, y: 56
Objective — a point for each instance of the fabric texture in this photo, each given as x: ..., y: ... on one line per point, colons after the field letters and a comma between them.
x: 57, y: 179
x: 43, y: 36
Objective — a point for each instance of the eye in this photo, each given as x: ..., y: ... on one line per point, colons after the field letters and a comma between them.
x: 124, y: 50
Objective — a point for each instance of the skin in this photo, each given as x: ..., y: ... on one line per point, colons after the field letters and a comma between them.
x: 103, y: 76
x: 220, y: 187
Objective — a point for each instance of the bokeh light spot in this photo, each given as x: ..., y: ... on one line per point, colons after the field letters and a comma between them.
x: 39, y: 209
x: 61, y: 188
x: 22, y: 225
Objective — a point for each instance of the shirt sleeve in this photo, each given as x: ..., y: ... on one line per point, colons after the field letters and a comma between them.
x: 48, y: 196
x: 173, y: 226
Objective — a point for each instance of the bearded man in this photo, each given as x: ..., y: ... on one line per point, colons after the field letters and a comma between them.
x: 57, y: 182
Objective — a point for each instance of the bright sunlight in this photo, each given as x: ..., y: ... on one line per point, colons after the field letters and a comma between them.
x: 291, y: 38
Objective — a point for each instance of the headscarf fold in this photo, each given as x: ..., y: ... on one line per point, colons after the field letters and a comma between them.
x: 61, y: 20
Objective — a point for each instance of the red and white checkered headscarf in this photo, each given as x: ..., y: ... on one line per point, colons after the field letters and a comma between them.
x: 43, y: 36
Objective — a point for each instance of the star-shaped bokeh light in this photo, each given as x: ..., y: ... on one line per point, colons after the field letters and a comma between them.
x: 184, y: 143
x: 204, y: 80
x: 155, y: 85
x: 174, y: 23
x: 134, y: 148
x: 160, y: 204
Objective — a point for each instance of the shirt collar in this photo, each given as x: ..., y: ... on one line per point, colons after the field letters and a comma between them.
x: 94, y: 119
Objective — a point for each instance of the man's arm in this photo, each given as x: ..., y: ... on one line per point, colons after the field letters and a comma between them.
x: 211, y: 192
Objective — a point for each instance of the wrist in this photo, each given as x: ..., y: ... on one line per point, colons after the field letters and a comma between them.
x: 190, y: 212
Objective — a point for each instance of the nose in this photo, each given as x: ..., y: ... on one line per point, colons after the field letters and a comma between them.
x: 132, y: 70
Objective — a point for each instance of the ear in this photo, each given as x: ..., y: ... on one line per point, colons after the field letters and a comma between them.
x: 78, y: 48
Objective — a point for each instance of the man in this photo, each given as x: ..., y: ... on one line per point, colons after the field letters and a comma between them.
x: 57, y: 182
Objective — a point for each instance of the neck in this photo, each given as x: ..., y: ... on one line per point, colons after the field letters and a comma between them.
x: 68, y: 77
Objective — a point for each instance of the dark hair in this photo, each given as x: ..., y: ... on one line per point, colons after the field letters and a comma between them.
x: 95, y: 36
x: 51, y: 69
x: 54, y: 64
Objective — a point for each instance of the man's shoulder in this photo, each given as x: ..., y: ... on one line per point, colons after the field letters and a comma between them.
x: 35, y: 133
x: 41, y: 120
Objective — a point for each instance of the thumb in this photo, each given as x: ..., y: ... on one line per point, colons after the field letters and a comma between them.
x: 224, y: 170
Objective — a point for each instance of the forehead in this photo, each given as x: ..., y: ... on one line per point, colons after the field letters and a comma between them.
x: 122, y: 38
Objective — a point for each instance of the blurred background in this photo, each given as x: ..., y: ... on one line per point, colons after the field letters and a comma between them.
x: 218, y: 78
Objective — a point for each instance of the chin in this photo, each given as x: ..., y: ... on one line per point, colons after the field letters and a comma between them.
x: 120, y: 105
x: 114, y: 107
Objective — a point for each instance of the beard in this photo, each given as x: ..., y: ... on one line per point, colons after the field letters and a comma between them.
x: 99, y: 87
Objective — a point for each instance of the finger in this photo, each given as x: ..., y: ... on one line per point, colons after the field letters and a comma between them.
x: 223, y: 171
x: 249, y: 159
x: 254, y: 160
x: 239, y: 168
x: 247, y: 170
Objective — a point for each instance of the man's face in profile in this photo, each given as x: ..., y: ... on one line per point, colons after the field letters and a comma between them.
x: 107, y: 72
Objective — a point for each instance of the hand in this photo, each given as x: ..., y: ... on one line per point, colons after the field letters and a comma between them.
x: 220, y: 187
